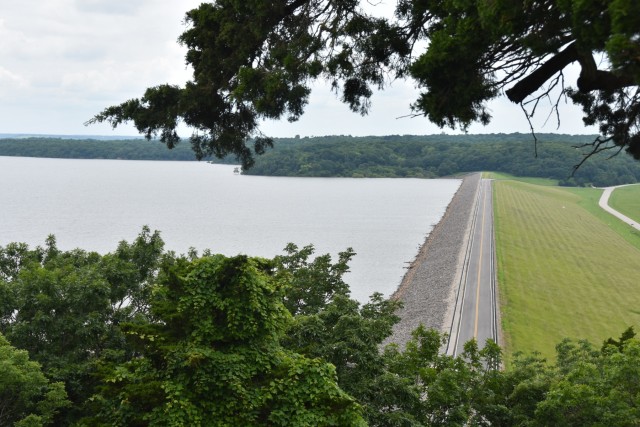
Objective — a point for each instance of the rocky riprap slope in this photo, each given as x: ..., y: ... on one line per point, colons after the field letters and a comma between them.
x: 428, y: 289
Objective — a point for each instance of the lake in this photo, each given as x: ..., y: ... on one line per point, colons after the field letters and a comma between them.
x: 94, y: 204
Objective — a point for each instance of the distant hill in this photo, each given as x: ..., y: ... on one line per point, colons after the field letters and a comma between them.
x: 106, y: 148
x: 420, y: 156
x: 432, y: 156
x: 35, y: 135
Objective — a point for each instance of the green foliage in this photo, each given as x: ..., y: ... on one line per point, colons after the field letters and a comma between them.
x: 253, y: 60
x: 451, y: 70
x: 27, y: 398
x: 160, y: 339
x: 478, y: 49
x: 594, y: 387
x: 349, y: 337
x: 313, y: 284
x: 443, y: 155
x: 406, y: 156
x: 620, y: 342
x: 330, y: 326
x: 65, y: 308
x: 391, y: 385
x: 129, y: 149
x: 211, y: 355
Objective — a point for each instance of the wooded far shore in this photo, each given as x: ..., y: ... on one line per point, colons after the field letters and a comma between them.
x: 553, y: 156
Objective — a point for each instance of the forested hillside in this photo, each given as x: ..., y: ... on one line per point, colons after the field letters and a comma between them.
x: 441, y: 155
x: 68, y: 148
x: 429, y: 156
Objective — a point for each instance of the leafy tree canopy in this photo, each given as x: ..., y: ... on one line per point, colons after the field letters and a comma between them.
x: 27, y: 398
x: 478, y: 49
x: 211, y: 355
x: 65, y: 307
x: 142, y: 337
x: 253, y: 60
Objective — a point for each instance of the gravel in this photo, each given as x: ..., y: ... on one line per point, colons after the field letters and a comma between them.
x: 428, y: 289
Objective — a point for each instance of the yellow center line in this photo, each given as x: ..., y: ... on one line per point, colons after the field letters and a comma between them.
x: 475, y: 327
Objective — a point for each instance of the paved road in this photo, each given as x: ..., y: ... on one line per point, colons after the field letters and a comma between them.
x: 475, y: 314
x: 604, y: 204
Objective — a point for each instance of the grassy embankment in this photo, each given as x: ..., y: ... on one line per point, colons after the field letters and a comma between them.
x: 627, y: 201
x: 566, y: 268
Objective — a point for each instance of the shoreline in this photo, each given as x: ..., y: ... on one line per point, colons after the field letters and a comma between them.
x: 429, y: 287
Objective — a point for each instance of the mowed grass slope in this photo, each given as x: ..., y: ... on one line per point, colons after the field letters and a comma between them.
x: 530, y: 180
x: 626, y: 200
x: 562, y: 271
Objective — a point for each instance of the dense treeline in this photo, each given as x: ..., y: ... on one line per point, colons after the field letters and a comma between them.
x: 377, y: 156
x: 441, y: 155
x: 66, y: 148
x: 145, y: 337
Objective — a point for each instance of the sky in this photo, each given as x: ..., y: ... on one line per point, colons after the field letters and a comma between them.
x: 63, y: 61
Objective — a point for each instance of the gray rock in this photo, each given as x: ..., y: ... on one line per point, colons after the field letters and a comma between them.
x: 429, y: 286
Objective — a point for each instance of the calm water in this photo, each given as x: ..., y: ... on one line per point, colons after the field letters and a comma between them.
x: 93, y: 204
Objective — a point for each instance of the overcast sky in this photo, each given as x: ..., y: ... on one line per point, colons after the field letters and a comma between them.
x: 63, y: 61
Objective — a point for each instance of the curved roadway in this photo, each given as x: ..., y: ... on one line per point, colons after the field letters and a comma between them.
x: 475, y: 315
x: 604, y: 204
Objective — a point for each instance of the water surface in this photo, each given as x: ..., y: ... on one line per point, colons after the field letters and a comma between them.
x: 93, y: 204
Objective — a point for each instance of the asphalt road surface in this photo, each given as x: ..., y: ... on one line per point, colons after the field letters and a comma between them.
x: 475, y: 313
x: 604, y: 204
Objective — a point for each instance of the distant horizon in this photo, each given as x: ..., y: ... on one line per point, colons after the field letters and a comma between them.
x: 68, y: 136
x: 123, y: 137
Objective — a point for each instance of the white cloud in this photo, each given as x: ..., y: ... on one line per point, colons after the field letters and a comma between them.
x: 390, y: 113
x: 110, y: 7
x: 9, y: 80
x: 65, y: 60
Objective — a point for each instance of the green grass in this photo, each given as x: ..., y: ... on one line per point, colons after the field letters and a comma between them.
x: 626, y: 200
x: 589, y: 198
x: 530, y: 180
x: 565, y: 267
